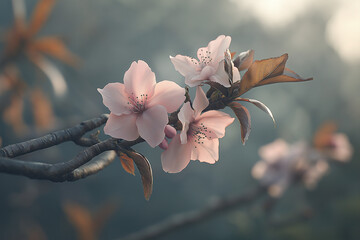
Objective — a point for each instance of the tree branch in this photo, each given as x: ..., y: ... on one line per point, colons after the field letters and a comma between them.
x: 71, y: 134
x: 181, y: 220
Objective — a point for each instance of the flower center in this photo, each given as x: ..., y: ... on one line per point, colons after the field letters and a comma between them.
x: 198, y: 133
x: 204, y: 57
x: 136, y: 103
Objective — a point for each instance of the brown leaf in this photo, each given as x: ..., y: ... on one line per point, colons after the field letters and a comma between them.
x: 322, y: 137
x: 145, y: 171
x: 13, y: 115
x: 287, y: 76
x: 42, y: 109
x: 260, y: 105
x: 261, y: 70
x: 39, y: 16
x: 126, y: 162
x: 244, y: 118
x: 244, y: 60
x: 55, y: 47
x: 81, y: 218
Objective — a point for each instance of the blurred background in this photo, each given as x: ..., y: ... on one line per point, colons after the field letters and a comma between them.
x: 322, y: 39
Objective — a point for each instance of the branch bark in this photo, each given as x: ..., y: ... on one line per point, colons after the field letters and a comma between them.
x: 182, y: 220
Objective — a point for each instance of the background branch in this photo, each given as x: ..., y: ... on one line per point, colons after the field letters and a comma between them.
x: 181, y: 220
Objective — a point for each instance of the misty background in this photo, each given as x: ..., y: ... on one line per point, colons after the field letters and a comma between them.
x: 322, y: 39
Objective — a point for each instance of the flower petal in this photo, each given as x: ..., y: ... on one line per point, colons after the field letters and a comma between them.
x: 185, y: 65
x: 151, y: 124
x: 220, y: 76
x: 176, y: 157
x: 218, y: 47
x: 168, y: 94
x: 200, y: 101
x: 215, y: 121
x: 139, y: 79
x: 115, y: 98
x: 186, y: 116
x: 122, y: 127
x: 206, y: 151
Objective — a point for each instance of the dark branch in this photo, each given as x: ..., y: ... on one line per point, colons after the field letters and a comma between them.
x: 71, y: 134
x: 185, y: 219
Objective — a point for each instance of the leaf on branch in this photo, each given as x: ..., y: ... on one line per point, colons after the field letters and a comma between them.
x: 260, y: 105
x: 244, y: 118
x: 39, y: 16
x: 244, y: 60
x: 126, y: 162
x: 228, y: 66
x: 268, y: 71
x: 145, y: 171
x: 55, y: 47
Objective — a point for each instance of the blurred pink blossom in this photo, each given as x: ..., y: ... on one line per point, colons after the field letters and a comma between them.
x: 199, y: 138
x: 140, y: 106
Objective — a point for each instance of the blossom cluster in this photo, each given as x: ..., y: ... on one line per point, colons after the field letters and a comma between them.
x: 139, y: 107
x: 283, y: 164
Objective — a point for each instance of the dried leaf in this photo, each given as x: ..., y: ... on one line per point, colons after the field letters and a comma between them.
x: 55, y: 47
x: 244, y: 60
x: 259, y: 105
x: 324, y: 134
x: 287, y: 76
x: 42, y: 109
x: 81, y: 218
x: 40, y: 16
x: 145, y: 170
x: 228, y: 66
x: 127, y: 163
x: 244, y: 118
x: 261, y: 70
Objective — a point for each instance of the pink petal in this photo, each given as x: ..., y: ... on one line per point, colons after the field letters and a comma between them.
x: 218, y: 47
x: 215, y: 121
x: 164, y: 144
x: 200, y: 101
x: 185, y: 65
x: 122, y: 127
x: 236, y: 75
x: 151, y: 125
x: 207, y: 151
x: 176, y: 157
x: 220, y: 76
x: 170, y: 131
x: 115, y: 98
x: 186, y: 116
x: 139, y: 79
x: 168, y: 94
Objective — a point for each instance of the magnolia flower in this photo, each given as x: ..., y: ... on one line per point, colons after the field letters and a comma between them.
x: 139, y: 107
x: 199, y: 138
x: 209, y: 67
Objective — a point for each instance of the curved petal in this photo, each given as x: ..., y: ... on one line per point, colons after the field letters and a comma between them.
x: 236, y: 75
x: 176, y: 157
x: 122, y: 127
x: 215, y: 121
x: 206, y: 151
x: 200, y: 101
x: 218, y: 47
x: 220, y: 76
x: 186, y: 116
x: 185, y: 65
x: 168, y: 94
x: 151, y: 125
x: 139, y: 79
x: 115, y: 98
x: 170, y: 131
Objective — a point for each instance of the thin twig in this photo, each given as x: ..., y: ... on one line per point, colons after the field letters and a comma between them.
x: 181, y: 220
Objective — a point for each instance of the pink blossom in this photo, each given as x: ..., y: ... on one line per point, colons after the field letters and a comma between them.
x: 139, y: 107
x: 199, y: 138
x: 209, y: 67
